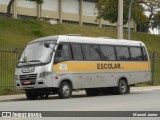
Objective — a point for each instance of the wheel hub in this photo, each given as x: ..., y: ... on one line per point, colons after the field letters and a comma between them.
x: 65, y: 90
x: 123, y: 87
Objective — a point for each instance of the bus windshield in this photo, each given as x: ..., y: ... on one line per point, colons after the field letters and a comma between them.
x: 36, y: 53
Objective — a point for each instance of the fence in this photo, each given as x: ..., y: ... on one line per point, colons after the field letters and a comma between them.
x: 155, y: 65
x: 9, y: 55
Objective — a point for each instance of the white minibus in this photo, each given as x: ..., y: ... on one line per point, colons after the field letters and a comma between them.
x: 65, y: 63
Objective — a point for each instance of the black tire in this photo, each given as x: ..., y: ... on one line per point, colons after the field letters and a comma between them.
x: 92, y: 91
x: 31, y: 95
x: 123, y: 87
x: 44, y: 96
x: 65, y: 90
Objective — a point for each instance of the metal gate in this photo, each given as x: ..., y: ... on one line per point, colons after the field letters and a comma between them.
x: 155, y: 65
x: 9, y: 55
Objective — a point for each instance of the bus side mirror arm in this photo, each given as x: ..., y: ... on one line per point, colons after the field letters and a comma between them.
x: 47, y: 45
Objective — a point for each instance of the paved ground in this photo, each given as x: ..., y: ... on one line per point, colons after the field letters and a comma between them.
x: 140, y: 99
x: 23, y: 97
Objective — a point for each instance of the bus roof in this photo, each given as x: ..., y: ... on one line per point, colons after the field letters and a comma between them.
x: 49, y: 38
x: 93, y: 40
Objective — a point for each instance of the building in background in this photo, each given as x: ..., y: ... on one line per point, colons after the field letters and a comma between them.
x: 82, y: 12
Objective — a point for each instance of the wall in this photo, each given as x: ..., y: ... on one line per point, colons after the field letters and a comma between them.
x: 50, y: 9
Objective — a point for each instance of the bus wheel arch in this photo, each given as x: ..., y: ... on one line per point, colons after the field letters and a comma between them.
x: 122, y: 86
x: 65, y: 89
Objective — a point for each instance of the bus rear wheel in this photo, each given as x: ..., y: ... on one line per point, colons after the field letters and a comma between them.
x: 31, y: 95
x: 123, y: 87
x: 65, y: 90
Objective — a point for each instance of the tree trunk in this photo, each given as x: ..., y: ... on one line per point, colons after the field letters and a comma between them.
x: 9, y: 8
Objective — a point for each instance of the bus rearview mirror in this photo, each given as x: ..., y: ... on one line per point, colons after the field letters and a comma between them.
x: 46, y: 45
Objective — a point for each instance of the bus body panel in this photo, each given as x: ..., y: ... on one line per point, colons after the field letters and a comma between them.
x: 95, y: 75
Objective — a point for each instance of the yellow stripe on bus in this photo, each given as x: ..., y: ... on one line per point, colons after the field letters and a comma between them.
x: 83, y: 66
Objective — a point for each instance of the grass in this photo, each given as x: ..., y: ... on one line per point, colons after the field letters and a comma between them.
x: 20, y: 32
x: 17, y: 33
x: 10, y: 90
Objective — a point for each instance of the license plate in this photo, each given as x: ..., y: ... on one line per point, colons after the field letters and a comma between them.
x: 27, y: 82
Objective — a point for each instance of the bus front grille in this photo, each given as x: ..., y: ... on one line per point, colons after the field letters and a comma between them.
x: 28, y: 79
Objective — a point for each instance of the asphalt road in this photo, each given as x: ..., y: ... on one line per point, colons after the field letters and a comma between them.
x: 135, y: 101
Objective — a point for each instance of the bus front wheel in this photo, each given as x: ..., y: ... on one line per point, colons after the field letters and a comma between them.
x: 65, y: 90
x: 31, y: 95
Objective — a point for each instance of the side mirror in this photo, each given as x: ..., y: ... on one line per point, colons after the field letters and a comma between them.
x: 46, y: 45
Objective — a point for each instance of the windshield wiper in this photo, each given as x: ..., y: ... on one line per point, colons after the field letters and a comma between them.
x: 23, y: 62
x: 35, y: 61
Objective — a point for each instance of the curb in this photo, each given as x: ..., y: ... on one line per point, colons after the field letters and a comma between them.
x: 15, y: 99
x: 156, y: 89
x: 7, y: 98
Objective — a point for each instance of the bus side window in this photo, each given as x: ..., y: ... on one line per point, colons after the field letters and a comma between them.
x: 107, y: 52
x: 122, y: 53
x: 136, y: 54
x: 145, y: 58
x: 77, y: 52
x: 63, y: 53
x: 91, y: 52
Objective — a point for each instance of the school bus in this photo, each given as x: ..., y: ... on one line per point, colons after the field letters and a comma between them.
x: 65, y: 63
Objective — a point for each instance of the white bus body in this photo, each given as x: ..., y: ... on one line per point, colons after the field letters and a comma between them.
x: 61, y: 64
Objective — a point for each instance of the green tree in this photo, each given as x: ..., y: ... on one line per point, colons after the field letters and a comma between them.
x: 151, y: 7
x: 11, y: 3
x: 108, y: 10
x: 156, y: 20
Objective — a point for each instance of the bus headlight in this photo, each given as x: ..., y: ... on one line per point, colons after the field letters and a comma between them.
x: 16, y: 77
x: 43, y: 74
